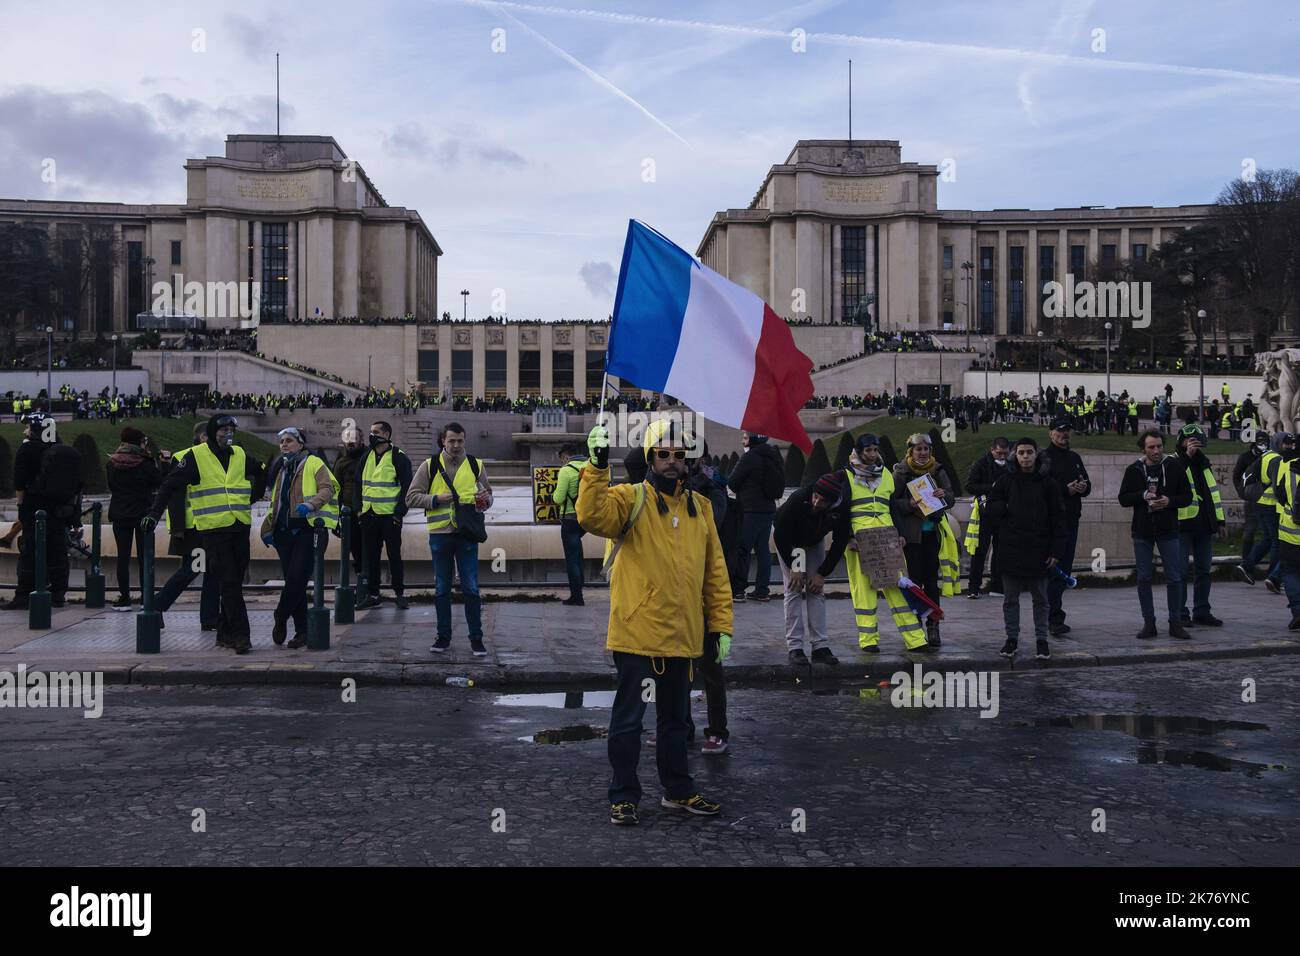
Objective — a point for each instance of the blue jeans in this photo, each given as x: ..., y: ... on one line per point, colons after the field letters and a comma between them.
x: 1171, y: 557
x: 571, y: 536
x: 1197, y: 547
x: 1266, y: 518
x: 1056, y: 585
x: 755, y: 529
x: 670, y: 677
x: 450, y: 549
x: 1291, y: 582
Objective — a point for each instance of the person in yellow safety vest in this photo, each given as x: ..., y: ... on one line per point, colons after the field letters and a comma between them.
x: 929, y: 561
x: 1229, y: 425
x: 381, y: 504
x: 1288, y: 536
x: 183, y: 543
x: 223, y: 483
x: 1268, y: 511
x: 566, y: 497
x: 871, y: 489
x: 1132, y: 415
x: 303, y: 490
x: 669, y: 603
x: 441, y: 484
x: 27, y: 404
x: 1178, y: 365
x: 1197, y: 524
x: 18, y: 408
x: 1226, y: 393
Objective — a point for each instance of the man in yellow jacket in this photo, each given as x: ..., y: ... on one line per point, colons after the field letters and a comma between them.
x: 668, y: 586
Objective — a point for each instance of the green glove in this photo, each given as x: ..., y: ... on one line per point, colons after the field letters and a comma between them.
x: 724, y: 647
x: 598, y: 446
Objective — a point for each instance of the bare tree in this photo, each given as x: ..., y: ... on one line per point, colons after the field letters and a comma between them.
x: 89, y: 257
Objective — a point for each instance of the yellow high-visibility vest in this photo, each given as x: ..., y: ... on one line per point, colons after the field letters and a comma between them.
x: 1192, y: 510
x: 1287, y: 528
x: 177, y: 459
x: 466, y: 486
x: 223, y: 496
x: 329, y: 512
x: 379, y: 484
x: 867, y: 508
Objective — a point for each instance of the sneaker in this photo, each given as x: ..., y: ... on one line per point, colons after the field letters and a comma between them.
x: 737, y: 598
x: 697, y: 804
x: 932, y: 633
x: 440, y: 645
x: 207, y: 627
x: 869, y: 648
x: 1209, y: 620
x: 224, y: 641
x: 823, y: 655
x: 714, y: 745
x: 1295, y: 623
x: 798, y: 658
x: 1042, y: 651
x: 1272, y: 586
x: 279, y: 631
x: 13, y: 606
x: 299, y: 640
x: 623, y: 814
x: 1009, y: 648
x: 476, y: 645
x: 574, y: 602
x: 243, y: 648
x: 761, y: 598
x: 973, y: 596
x: 1056, y: 630
x: 926, y: 648
x: 1149, y: 630
x: 1179, y: 632
x: 995, y: 592
x: 121, y: 604
x: 1245, y: 574
x: 401, y: 603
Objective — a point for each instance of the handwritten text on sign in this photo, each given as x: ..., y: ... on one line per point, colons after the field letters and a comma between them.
x: 545, y: 511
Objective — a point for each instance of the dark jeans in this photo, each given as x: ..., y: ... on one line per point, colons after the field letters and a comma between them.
x: 1265, y: 541
x: 1198, y: 548
x: 755, y: 531
x: 1055, y: 584
x: 56, y: 558
x: 1171, y: 558
x: 1291, y: 584
x: 382, y: 531
x: 672, y: 700
x: 183, y: 577
x: 923, y: 564
x: 1250, y: 524
x: 1012, y: 589
x: 715, y: 691
x: 450, y: 549
x: 227, y: 561
x: 987, y: 546
x: 296, y: 554
x: 354, y: 541
x: 124, y: 534
x: 571, y: 537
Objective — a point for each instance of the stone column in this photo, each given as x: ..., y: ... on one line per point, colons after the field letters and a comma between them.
x: 578, y: 335
x: 545, y: 343
x: 1094, y: 249
x: 512, y: 362
x: 1031, y: 281
x: 1000, y: 267
x: 478, y: 339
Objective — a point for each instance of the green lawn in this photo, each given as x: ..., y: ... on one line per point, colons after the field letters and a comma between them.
x: 968, y: 447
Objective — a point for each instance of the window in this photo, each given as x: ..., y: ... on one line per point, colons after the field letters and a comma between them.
x: 135, y: 290
x: 275, y: 271
x: 1016, y: 290
x: 562, y: 374
x: 530, y: 372
x: 947, y: 290
x: 853, y: 269
x: 595, y: 371
x: 1108, y: 255
x: 986, y: 290
x: 176, y: 252
x: 494, y: 381
x: 1046, y: 274
x: 429, y: 367
x: 947, y: 319
x: 1079, y: 262
x: 1139, y: 252
x: 947, y: 257
x: 462, y: 372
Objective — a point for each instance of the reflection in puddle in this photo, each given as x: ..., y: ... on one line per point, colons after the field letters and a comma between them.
x: 567, y: 700
x: 1146, y: 725
x: 1150, y: 753
x: 566, y: 735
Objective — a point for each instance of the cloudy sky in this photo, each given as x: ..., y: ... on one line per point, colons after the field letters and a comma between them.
x: 523, y: 132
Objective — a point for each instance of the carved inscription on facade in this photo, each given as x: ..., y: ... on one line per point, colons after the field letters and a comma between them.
x: 853, y: 192
x: 277, y: 187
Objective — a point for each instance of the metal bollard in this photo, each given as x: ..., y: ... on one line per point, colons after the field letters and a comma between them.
x: 38, y: 603
x: 318, y: 616
x: 148, y: 623
x: 345, y: 596
x: 95, y: 576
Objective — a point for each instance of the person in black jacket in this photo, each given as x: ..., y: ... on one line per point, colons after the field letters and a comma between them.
x: 987, y: 469
x: 184, y: 543
x: 1155, y: 487
x: 755, y: 476
x: 1247, y: 465
x: 1197, y: 524
x: 133, y: 479
x: 802, y: 524
x: 1066, y: 468
x: 705, y: 480
x: 381, y: 523
x: 225, y: 548
x: 40, y: 435
x: 1032, y: 536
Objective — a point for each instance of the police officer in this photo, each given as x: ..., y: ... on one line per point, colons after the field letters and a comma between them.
x: 381, y: 503
x: 223, y: 482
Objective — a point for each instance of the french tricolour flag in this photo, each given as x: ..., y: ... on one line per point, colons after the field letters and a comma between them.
x: 681, y: 328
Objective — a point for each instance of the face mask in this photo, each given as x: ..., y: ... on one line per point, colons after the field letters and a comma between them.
x: 377, y: 440
x: 229, y: 441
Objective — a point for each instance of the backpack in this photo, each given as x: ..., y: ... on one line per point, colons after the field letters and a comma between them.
x: 613, y: 547
x: 773, y: 481
x: 58, y: 480
x: 1252, y: 483
x: 574, y: 497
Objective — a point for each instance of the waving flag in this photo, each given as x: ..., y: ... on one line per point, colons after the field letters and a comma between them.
x: 681, y: 328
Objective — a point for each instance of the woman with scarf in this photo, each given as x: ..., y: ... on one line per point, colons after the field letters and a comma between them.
x: 302, y: 490
x: 922, y: 531
x: 133, y: 478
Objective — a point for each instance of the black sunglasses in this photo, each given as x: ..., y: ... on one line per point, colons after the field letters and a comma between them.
x: 665, y: 454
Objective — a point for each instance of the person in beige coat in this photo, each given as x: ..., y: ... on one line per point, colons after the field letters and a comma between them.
x: 919, y: 530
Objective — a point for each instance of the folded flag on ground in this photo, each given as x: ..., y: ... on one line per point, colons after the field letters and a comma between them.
x: 919, y: 601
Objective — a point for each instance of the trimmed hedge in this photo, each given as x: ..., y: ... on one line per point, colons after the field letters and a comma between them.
x: 94, y: 480
x: 6, y: 469
x: 818, y: 463
x: 795, y: 465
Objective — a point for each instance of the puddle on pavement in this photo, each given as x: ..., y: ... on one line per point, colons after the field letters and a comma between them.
x: 1150, y: 754
x: 567, y: 700
x: 566, y: 735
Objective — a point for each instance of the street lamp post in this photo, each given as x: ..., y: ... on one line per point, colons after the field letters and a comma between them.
x: 464, y: 304
x: 1108, y: 328
x: 967, y: 267
x: 369, y: 360
x: 114, y: 365
x: 987, y: 359
x: 1200, y: 357
x: 1040, y: 375
x: 49, y: 369
x: 147, y: 264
